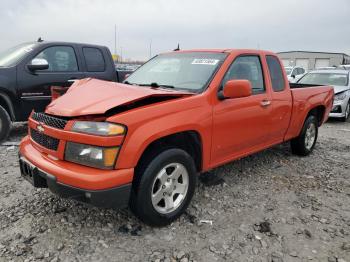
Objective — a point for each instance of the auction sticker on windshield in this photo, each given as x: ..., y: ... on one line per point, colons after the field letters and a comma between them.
x: 205, y: 61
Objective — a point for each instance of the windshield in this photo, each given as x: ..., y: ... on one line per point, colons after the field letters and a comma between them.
x: 15, y: 54
x: 288, y: 70
x: 331, y: 79
x: 189, y: 71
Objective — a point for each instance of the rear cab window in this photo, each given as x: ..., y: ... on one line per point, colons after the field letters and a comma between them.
x: 276, y: 73
x: 94, y: 59
x: 247, y: 67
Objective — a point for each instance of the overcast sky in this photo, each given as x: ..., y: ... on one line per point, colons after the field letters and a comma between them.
x: 275, y: 25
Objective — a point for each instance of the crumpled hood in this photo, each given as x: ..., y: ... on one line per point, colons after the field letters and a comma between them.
x: 339, y: 89
x: 95, y: 97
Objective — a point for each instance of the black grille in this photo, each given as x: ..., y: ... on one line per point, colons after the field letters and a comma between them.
x: 49, y: 120
x: 44, y: 140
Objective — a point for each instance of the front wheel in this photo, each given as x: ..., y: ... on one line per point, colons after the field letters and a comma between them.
x: 165, y: 187
x: 5, y: 124
x: 305, y: 142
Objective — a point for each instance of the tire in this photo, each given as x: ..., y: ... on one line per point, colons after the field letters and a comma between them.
x: 305, y: 142
x: 5, y: 124
x: 150, y: 197
x: 347, y: 113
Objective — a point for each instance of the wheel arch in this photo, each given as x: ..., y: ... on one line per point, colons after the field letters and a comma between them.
x: 189, y: 141
x: 298, y: 119
x: 318, y: 112
x: 6, y: 103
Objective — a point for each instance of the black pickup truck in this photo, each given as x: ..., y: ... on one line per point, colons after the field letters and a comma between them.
x: 28, y: 71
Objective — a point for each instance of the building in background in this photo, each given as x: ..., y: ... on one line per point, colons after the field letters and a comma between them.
x: 313, y: 60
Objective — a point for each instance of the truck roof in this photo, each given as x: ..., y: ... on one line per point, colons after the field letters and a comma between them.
x: 62, y: 43
x: 224, y: 50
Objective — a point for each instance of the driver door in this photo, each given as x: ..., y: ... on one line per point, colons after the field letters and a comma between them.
x: 242, y: 125
x: 35, y: 87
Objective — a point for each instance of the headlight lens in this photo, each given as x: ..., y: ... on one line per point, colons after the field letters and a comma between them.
x: 340, y: 96
x: 93, y: 156
x: 98, y: 128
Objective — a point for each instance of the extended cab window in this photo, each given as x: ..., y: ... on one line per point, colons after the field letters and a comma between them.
x: 249, y: 68
x: 60, y: 59
x: 276, y: 73
x: 94, y: 59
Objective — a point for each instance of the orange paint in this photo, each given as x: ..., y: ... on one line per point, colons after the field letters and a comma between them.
x: 228, y: 129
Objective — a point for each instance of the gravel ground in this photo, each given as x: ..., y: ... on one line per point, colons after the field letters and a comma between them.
x: 271, y: 206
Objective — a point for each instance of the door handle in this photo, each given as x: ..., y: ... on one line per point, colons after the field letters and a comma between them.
x: 265, y: 103
x: 72, y: 80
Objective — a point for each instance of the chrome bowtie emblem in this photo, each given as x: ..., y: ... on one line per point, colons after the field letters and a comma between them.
x: 40, y: 128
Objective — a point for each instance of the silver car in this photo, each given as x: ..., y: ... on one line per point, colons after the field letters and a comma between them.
x: 294, y: 73
x: 339, y: 79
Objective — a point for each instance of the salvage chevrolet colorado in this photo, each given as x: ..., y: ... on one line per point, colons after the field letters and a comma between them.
x: 142, y: 142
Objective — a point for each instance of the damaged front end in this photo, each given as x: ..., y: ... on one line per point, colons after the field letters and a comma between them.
x: 76, y: 158
x: 94, y: 97
x: 86, y: 141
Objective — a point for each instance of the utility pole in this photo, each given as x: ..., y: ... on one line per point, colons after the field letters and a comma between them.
x: 121, y: 54
x: 115, y: 40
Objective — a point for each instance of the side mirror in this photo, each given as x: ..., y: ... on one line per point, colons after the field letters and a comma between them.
x: 236, y: 89
x: 292, y: 76
x: 38, y: 64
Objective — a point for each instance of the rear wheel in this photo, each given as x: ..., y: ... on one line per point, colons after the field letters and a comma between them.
x: 347, y: 113
x: 164, y: 188
x: 305, y: 142
x: 5, y: 124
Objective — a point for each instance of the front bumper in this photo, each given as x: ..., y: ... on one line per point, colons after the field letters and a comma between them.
x: 339, y: 108
x: 102, y: 188
x: 117, y: 197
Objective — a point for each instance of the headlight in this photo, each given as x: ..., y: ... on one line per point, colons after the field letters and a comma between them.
x: 340, y: 96
x: 98, y: 128
x: 93, y: 156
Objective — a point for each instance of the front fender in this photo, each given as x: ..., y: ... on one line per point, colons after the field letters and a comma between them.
x: 9, y: 104
x: 141, y: 135
x: 8, y: 91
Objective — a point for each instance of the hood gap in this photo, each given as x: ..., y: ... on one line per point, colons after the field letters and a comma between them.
x: 139, y: 103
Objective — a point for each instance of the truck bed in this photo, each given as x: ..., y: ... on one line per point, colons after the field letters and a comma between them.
x: 304, y: 98
x: 297, y: 85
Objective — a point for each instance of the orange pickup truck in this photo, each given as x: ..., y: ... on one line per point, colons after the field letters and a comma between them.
x: 142, y: 142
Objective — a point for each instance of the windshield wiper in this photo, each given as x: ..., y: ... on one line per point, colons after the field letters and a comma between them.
x: 128, y: 83
x: 156, y: 85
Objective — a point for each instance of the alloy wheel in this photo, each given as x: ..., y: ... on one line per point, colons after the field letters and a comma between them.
x: 310, y: 136
x: 170, y: 188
